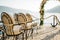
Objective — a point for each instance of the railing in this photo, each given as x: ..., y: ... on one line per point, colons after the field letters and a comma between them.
x: 54, y: 18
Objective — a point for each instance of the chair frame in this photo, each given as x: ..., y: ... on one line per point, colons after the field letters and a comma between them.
x: 23, y: 21
x: 10, y: 22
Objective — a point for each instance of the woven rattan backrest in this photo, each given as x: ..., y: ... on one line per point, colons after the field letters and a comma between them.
x: 21, y: 18
x: 6, y: 19
x: 29, y: 18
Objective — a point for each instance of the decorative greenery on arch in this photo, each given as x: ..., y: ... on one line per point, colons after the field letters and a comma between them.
x: 42, y: 11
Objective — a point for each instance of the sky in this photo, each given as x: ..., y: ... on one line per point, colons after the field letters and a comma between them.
x: 32, y: 5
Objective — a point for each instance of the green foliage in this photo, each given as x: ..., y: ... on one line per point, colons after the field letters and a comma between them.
x: 41, y: 22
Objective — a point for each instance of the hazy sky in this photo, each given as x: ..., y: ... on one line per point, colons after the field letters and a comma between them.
x: 32, y: 5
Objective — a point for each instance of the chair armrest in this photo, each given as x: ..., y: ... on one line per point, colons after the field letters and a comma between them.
x: 34, y: 24
x: 13, y: 24
x: 12, y: 31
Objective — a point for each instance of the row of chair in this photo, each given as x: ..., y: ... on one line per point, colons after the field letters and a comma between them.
x: 20, y: 25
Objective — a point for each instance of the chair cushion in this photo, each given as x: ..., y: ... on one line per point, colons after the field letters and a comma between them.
x: 17, y: 29
x: 30, y: 25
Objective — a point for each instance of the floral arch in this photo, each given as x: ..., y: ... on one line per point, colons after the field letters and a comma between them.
x: 42, y: 11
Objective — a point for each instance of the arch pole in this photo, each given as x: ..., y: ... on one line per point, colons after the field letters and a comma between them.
x: 42, y: 12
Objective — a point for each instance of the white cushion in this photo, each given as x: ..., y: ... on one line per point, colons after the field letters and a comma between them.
x: 17, y: 28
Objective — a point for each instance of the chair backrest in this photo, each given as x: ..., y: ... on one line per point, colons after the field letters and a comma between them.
x: 21, y: 18
x: 6, y: 19
x: 29, y: 17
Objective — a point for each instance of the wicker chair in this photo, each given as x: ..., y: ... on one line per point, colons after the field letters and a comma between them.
x: 30, y: 20
x: 26, y: 19
x: 21, y: 18
x: 30, y: 23
x: 9, y: 26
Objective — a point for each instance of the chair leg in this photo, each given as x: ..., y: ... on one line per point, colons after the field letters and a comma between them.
x: 26, y: 34
x: 22, y: 36
x: 3, y: 36
x: 32, y: 33
x: 14, y: 37
x: 37, y: 30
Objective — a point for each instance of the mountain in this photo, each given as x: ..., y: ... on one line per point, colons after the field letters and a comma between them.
x: 54, y: 10
x: 12, y: 10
